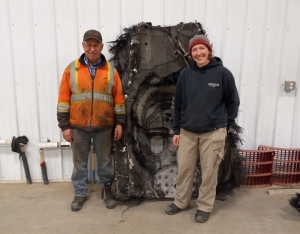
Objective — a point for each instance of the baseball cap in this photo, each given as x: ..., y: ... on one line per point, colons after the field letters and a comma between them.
x: 92, y: 34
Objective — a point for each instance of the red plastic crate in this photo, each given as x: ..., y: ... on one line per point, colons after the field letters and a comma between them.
x: 258, y: 168
x: 286, y: 165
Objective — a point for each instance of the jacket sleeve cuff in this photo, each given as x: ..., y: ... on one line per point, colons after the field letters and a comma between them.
x: 231, y: 121
x: 120, y: 120
x: 177, y: 132
x: 65, y: 128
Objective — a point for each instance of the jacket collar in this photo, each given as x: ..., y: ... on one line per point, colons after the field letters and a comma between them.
x: 102, y: 57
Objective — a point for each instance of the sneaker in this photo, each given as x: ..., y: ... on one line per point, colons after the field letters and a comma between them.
x: 172, y: 209
x: 77, y: 203
x: 201, y: 216
x: 108, y: 198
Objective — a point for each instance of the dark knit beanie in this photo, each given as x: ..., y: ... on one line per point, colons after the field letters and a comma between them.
x: 199, y: 39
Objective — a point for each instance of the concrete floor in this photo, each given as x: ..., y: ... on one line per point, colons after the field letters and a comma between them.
x: 38, y: 208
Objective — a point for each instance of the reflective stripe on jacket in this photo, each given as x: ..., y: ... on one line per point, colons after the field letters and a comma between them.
x: 88, y: 104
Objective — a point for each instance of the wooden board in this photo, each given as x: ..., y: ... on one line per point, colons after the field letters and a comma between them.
x: 283, y: 191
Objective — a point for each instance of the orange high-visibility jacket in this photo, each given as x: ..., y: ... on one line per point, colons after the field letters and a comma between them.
x: 90, y: 105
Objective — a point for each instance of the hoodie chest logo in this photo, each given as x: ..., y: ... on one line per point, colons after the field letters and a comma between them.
x: 213, y: 84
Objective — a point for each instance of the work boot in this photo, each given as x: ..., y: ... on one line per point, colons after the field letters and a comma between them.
x: 202, y: 216
x: 77, y: 203
x: 108, y: 198
x: 172, y: 209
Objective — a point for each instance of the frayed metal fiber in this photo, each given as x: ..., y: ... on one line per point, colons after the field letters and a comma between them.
x: 235, y: 170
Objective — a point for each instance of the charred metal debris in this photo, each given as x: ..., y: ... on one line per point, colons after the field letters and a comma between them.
x: 149, y: 60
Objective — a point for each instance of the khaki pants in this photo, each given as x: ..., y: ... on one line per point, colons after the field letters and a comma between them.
x: 210, y: 146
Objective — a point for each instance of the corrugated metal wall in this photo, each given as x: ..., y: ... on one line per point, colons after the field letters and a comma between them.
x: 258, y: 40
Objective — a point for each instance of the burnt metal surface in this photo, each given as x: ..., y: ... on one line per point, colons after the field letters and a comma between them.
x: 149, y: 60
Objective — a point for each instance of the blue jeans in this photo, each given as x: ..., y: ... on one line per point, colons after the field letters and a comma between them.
x: 81, y: 147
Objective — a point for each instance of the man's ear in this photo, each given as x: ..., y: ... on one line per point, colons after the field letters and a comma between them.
x: 101, y: 47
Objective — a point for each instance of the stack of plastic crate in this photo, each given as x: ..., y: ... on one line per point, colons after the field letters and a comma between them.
x: 258, y: 167
x: 286, y: 165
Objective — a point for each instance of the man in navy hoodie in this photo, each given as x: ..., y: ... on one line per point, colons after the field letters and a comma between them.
x: 206, y: 104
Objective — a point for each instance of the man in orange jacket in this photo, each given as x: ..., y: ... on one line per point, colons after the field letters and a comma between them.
x: 90, y: 104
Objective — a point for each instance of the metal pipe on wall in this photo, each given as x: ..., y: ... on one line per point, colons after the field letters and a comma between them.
x: 46, y: 145
x: 43, y: 145
x: 49, y: 145
x: 22, y: 155
x: 5, y: 142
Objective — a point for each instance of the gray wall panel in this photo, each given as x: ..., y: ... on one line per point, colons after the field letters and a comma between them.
x: 288, y: 71
x: 10, y: 166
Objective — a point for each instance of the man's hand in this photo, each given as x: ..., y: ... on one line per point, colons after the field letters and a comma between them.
x: 118, y: 133
x: 176, y: 140
x: 68, y: 135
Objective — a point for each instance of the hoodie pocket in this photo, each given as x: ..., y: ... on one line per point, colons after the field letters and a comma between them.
x: 193, y: 121
x: 186, y: 117
x: 210, y: 120
x: 215, y: 119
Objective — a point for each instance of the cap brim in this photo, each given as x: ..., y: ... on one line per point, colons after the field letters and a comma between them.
x: 93, y: 38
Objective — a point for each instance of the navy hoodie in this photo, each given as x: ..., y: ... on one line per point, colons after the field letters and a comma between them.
x: 206, y: 98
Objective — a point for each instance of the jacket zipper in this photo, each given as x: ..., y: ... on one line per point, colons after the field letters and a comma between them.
x: 92, y: 96
x: 92, y: 102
